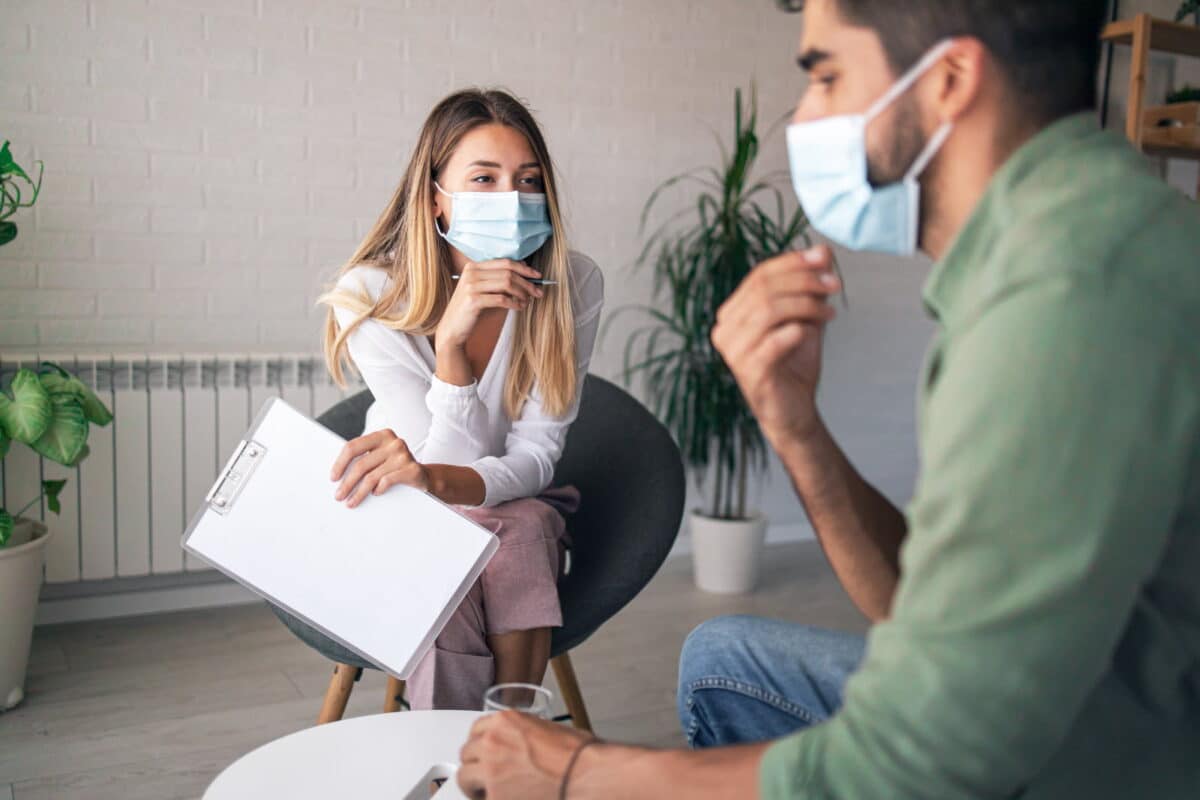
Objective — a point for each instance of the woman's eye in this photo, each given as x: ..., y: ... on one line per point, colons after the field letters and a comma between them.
x: 481, y: 179
x: 531, y: 181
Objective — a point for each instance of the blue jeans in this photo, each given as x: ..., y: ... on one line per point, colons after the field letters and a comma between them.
x: 749, y: 679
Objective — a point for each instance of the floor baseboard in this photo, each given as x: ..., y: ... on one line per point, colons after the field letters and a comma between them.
x: 130, y: 598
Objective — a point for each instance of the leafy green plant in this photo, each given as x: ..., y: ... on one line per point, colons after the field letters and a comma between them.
x: 1188, y: 7
x: 1188, y: 94
x: 49, y: 411
x: 12, y: 178
x: 735, y: 223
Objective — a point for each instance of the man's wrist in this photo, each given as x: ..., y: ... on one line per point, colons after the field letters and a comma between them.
x: 801, y: 437
x: 596, y: 764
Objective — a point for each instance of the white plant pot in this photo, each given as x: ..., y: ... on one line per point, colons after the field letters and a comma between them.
x: 21, y: 563
x: 727, y: 554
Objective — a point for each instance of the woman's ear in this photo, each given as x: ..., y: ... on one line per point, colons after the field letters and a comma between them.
x: 438, y: 211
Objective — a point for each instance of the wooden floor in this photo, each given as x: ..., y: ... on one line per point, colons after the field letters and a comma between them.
x: 152, y: 708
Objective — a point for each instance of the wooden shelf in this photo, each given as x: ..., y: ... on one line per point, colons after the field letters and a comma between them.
x: 1171, y: 143
x: 1168, y: 37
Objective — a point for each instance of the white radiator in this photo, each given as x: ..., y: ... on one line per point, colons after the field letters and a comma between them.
x: 175, y: 421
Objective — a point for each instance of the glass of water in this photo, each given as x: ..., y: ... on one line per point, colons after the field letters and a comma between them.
x: 525, y: 697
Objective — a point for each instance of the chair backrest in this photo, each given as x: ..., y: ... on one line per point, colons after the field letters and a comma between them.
x: 631, y: 478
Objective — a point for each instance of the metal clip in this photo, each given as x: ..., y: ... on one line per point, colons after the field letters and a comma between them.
x: 235, y: 475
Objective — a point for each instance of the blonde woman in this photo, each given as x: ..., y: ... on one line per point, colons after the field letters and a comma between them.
x: 472, y: 324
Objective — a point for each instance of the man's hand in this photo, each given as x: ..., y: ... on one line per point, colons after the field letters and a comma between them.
x: 770, y: 333
x: 513, y: 756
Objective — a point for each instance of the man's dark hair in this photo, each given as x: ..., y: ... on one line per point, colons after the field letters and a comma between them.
x: 1048, y: 49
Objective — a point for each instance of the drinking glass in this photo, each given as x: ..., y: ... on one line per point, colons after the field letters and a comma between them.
x: 525, y: 697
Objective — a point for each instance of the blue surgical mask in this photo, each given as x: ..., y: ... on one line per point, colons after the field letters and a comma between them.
x: 488, y: 225
x: 830, y: 175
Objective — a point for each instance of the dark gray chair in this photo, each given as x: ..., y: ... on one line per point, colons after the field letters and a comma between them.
x: 631, y: 478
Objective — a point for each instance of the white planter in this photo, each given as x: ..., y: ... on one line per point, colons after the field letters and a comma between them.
x: 727, y: 554
x: 21, y: 563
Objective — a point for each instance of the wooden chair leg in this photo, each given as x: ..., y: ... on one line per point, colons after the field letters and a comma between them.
x: 394, y: 700
x: 564, y: 674
x: 338, y: 693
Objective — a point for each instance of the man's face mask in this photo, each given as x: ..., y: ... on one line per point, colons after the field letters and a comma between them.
x: 828, y: 160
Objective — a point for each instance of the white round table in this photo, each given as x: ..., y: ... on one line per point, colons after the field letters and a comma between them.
x: 381, y: 756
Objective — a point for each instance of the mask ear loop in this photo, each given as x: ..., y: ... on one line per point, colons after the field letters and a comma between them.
x: 931, y: 149
x: 912, y: 76
x: 436, y: 225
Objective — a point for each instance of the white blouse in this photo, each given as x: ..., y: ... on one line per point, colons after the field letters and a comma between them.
x: 467, y: 425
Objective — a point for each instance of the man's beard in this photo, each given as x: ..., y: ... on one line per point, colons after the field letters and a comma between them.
x: 898, y: 148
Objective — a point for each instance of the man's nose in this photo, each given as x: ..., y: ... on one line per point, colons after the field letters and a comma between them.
x: 806, y: 110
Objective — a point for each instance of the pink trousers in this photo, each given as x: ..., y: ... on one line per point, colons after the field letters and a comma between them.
x: 518, y: 591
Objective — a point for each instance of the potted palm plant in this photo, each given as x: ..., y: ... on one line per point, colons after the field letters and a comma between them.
x: 49, y: 411
x: 699, y: 256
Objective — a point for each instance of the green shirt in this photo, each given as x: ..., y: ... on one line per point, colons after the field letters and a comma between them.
x: 1044, y: 641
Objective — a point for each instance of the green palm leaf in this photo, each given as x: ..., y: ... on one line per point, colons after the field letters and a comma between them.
x: 728, y: 222
x: 6, y: 527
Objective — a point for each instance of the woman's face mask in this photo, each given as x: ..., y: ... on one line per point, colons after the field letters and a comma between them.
x: 828, y: 160
x: 485, y: 226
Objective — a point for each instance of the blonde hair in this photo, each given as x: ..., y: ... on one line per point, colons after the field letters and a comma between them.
x: 405, y: 243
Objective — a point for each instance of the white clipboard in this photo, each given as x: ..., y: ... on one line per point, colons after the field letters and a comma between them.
x: 381, y: 579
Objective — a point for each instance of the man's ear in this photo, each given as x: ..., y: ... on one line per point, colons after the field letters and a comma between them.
x: 962, y: 73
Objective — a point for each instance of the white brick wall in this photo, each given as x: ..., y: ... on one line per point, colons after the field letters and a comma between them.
x: 209, y: 162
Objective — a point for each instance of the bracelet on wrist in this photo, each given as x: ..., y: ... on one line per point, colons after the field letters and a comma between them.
x: 566, y: 778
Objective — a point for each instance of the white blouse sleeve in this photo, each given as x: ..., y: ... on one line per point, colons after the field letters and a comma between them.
x: 439, y: 422
x: 536, y: 439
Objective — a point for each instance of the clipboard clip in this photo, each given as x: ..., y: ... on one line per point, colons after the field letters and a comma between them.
x: 233, y: 478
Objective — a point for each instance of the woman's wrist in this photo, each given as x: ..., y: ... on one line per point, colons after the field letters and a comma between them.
x: 452, y: 365
x: 458, y: 486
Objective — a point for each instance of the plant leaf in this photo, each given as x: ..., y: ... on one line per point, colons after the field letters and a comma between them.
x: 67, y: 433
x: 58, y: 381
x: 51, y: 490
x: 4, y: 441
x: 6, y: 526
x: 8, y: 232
x: 83, y: 453
x: 28, y: 414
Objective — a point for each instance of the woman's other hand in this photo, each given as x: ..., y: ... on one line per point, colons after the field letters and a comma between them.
x: 374, y: 463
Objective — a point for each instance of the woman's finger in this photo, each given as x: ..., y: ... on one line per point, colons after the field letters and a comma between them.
x: 408, y: 475
x: 369, y: 482
x: 355, y: 448
x: 361, y: 466
x: 518, y: 267
x: 508, y: 283
x: 500, y: 300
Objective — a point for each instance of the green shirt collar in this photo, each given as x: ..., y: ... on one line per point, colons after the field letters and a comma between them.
x: 951, y: 278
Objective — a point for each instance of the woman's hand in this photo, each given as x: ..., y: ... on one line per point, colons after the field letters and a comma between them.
x: 489, y: 284
x: 512, y: 756
x: 377, y: 462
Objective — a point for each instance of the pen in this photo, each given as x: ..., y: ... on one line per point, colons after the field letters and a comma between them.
x: 534, y: 281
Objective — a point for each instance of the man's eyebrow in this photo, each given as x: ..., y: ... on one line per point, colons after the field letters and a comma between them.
x: 811, y: 58
x: 494, y: 165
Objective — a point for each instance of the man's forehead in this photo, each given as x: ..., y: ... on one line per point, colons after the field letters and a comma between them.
x: 826, y: 35
x: 821, y: 24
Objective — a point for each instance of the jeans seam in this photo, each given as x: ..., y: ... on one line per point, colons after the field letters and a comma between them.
x: 750, y: 690
x: 693, y: 722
